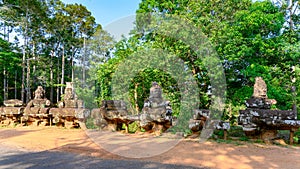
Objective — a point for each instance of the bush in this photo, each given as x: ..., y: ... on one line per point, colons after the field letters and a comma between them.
x: 132, y: 128
x: 90, y: 123
x: 236, y: 131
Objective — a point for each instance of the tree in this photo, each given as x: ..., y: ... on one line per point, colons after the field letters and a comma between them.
x: 10, y: 63
x: 53, y: 35
x: 249, y: 37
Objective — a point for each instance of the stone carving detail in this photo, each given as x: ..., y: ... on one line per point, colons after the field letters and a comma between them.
x: 9, y: 115
x: 13, y: 103
x: 198, y: 121
x: 69, y: 92
x: 70, y: 98
x: 259, y: 121
x: 39, y: 112
x: 260, y: 88
x: 39, y: 99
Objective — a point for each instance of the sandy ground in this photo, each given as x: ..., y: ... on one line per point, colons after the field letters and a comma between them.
x: 165, y: 149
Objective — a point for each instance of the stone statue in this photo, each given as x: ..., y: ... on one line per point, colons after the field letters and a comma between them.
x: 260, y: 88
x: 155, y: 93
x: 36, y: 111
x: 39, y: 93
x: 259, y: 121
x: 69, y: 94
x: 259, y: 98
x: 157, y: 113
x: 70, y: 98
x: 40, y: 99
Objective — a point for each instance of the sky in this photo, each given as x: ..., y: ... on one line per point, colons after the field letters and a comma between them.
x: 107, y: 11
x: 115, y: 16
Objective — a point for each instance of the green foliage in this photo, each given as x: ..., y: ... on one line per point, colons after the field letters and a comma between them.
x: 236, y: 131
x: 90, y: 123
x: 251, y: 39
x: 53, y: 33
x: 248, y: 37
x: 244, y: 138
x: 231, y: 113
x: 10, y: 64
x: 133, y: 127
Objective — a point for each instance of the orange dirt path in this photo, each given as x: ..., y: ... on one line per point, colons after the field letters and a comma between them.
x: 192, y: 153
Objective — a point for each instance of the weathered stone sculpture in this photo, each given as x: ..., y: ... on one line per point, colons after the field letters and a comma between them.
x: 259, y: 98
x: 157, y: 114
x: 200, y: 117
x: 198, y: 121
x: 259, y: 121
x: 112, y: 115
x: 70, y: 112
x: 37, y: 110
x: 13, y: 103
x: 11, y: 113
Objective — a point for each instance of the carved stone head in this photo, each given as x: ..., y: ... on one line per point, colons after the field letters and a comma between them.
x: 260, y: 88
x: 155, y: 91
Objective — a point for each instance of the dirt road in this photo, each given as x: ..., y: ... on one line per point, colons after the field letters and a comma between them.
x: 156, y: 150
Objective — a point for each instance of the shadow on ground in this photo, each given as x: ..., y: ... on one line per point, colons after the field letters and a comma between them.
x: 64, y: 160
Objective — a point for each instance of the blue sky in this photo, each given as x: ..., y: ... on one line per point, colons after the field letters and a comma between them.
x: 108, y: 11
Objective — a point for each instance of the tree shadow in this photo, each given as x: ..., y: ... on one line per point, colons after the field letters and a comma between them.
x: 65, y: 160
x: 13, y: 132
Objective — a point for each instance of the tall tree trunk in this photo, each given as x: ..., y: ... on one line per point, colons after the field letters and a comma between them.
x: 4, y: 85
x: 28, y: 92
x: 62, y: 72
x: 83, y: 61
x: 16, y: 77
x: 24, y: 56
x: 23, y: 76
x: 51, y: 76
x: 4, y: 31
x: 57, y: 77
x: 136, y: 98
x: 290, y: 9
x: 72, y: 64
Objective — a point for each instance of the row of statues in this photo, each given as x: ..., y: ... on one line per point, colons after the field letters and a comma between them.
x: 258, y: 120
x: 40, y: 111
x: 156, y: 115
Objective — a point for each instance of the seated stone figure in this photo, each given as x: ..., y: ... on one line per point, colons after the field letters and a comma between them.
x: 70, y: 98
x: 37, y: 110
x: 157, y: 113
x: 39, y: 99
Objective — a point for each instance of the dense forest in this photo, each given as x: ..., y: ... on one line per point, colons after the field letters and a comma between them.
x: 59, y: 42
